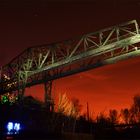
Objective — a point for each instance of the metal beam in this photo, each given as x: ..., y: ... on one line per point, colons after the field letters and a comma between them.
x: 94, y: 52
x: 39, y: 64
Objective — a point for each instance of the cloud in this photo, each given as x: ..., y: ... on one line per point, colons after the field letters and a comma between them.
x: 94, y: 77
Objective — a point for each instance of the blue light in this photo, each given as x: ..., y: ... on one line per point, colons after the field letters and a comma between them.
x: 17, y: 127
x: 10, y: 126
x: 13, y: 128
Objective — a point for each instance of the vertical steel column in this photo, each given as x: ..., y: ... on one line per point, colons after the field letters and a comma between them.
x: 48, y: 96
x: 21, y: 95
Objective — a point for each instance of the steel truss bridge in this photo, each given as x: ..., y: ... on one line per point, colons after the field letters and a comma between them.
x: 45, y: 63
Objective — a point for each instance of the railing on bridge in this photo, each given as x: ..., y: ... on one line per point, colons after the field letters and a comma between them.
x: 44, y: 63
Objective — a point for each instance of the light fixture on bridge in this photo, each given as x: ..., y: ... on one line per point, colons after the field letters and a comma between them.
x: 136, y: 48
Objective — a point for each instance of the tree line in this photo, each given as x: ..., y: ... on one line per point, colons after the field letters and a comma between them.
x: 124, y: 116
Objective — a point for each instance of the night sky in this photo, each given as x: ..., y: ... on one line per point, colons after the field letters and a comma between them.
x: 26, y: 23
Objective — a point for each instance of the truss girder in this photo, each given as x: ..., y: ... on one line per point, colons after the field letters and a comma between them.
x: 47, y: 62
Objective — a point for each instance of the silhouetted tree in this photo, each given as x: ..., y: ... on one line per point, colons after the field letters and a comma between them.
x: 102, y: 120
x: 125, y: 114
x: 77, y: 106
x: 113, y: 116
x: 135, y: 109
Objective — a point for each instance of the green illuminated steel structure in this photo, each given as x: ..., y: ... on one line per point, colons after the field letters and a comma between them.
x: 45, y: 63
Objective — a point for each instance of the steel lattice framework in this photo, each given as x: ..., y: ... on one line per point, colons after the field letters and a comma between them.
x: 44, y: 63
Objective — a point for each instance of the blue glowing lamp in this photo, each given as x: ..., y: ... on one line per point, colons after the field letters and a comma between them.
x: 10, y: 127
x: 13, y: 128
x: 17, y: 127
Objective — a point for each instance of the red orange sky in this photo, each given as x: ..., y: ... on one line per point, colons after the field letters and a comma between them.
x: 108, y: 87
x: 25, y: 24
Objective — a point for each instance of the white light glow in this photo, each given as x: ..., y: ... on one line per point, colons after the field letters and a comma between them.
x: 10, y: 126
x: 17, y: 126
x: 136, y: 48
x: 13, y: 128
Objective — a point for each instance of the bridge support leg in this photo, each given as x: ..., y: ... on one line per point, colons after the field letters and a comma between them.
x: 48, y: 96
x: 21, y: 94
